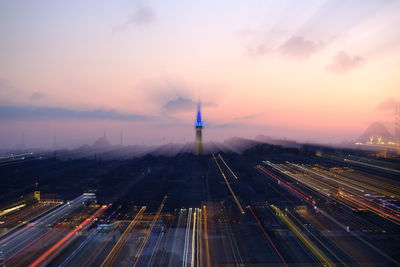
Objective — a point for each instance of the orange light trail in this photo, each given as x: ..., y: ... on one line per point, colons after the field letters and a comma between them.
x: 381, y: 212
x: 154, y: 221
x: 114, y: 251
x: 68, y: 236
x: 229, y: 186
x: 206, y: 237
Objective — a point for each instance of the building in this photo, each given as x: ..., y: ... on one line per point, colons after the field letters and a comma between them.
x: 376, y: 134
x: 198, y: 146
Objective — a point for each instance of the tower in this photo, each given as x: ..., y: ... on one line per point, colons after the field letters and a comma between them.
x: 198, y: 146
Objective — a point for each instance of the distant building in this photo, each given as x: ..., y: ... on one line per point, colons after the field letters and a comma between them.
x: 102, y: 142
x: 198, y: 146
x: 376, y: 134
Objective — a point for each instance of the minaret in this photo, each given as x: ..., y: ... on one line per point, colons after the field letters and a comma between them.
x: 198, y: 146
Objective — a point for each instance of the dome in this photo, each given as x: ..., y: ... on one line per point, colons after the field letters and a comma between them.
x: 376, y: 133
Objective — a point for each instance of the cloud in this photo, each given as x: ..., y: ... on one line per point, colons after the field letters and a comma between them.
x: 222, y: 125
x: 57, y: 113
x: 267, y: 42
x: 248, y: 117
x: 389, y: 104
x: 343, y: 63
x: 142, y: 16
x: 259, y: 50
x: 35, y: 96
x: 181, y: 104
x: 299, y: 48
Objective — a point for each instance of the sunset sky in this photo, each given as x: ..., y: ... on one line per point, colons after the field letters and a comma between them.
x: 317, y: 71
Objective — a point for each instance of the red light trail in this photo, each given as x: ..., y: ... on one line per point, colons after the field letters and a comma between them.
x: 68, y: 236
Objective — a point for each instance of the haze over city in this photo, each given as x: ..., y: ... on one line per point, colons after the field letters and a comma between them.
x: 310, y: 71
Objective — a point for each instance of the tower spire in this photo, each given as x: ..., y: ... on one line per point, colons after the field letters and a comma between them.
x: 198, y: 149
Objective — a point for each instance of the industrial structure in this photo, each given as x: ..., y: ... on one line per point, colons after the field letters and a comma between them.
x: 376, y: 134
x: 198, y: 146
x: 378, y: 137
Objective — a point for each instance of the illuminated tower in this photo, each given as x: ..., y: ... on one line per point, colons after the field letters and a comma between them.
x: 198, y: 146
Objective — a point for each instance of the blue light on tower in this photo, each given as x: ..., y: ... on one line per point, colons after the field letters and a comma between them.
x: 199, y: 122
x: 198, y: 147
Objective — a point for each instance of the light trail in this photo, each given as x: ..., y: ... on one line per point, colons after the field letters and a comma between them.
x: 381, y: 185
x: 66, y: 238
x: 175, y: 243
x: 16, y: 241
x: 208, y: 261
x: 187, y: 241
x: 16, y: 161
x: 226, y: 165
x: 193, y: 238
x: 26, y: 219
x: 267, y: 237
x: 110, y: 257
x: 301, y: 195
x: 348, y: 201
x: 30, y: 243
x: 192, y: 247
x: 344, y: 227
x: 321, y: 187
x: 13, y: 156
x: 328, y: 178
x: 318, y: 186
x: 376, y: 211
x: 155, y: 249
x: 83, y: 244
x: 303, y: 238
x: 198, y: 238
x: 316, y: 238
x: 153, y: 222
x: 371, y: 165
x: 6, y: 211
x: 229, y: 186
x: 99, y: 251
